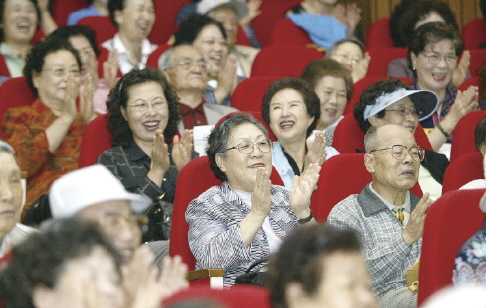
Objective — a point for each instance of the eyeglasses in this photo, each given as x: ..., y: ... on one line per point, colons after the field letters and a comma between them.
x: 400, y: 152
x: 144, y: 106
x: 62, y: 71
x: 405, y: 111
x: 115, y: 222
x: 348, y: 58
x: 188, y: 63
x: 434, y: 58
x: 247, y: 147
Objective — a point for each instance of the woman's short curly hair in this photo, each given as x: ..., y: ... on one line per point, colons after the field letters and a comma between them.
x: 218, y: 139
x: 118, y: 98
x: 311, y: 101
x: 369, y: 96
x: 34, y: 64
x: 190, y: 28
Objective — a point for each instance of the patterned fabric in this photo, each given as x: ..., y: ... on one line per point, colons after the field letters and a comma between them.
x: 215, y: 236
x: 470, y: 264
x: 386, y: 252
x: 192, y: 116
x: 24, y: 128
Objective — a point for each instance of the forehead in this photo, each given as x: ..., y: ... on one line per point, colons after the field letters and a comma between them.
x: 79, y: 42
x: 349, y: 47
x: 146, y: 88
x: 60, y: 57
x: 332, y: 82
x: 11, y: 3
x: 8, y: 162
x: 287, y: 94
x: 210, y: 31
x: 389, y: 135
x: 186, y: 51
x: 134, y: 3
x: 224, y: 12
x: 442, y: 45
x: 245, y: 131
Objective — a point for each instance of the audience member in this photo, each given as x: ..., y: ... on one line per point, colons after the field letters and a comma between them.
x: 389, y: 218
x: 480, y: 139
x: 246, y: 218
x: 433, y: 52
x: 326, y: 21
x: 351, y: 54
x: 421, y: 13
x: 46, y: 135
x: 396, y: 19
x: 209, y: 37
x: 186, y: 70
x: 389, y: 101
x: 229, y: 13
x: 315, y: 267
x: 96, y: 8
x: 470, y: 296
x: 291, y: 109
x: 11, y: 198
x: 333, y: 85
x: 134, y: 20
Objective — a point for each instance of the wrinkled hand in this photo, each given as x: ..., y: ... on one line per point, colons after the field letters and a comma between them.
x: 261, y: 198
x: 414, y: 229
x: 110, y: 69
x: 160, y: 153
x: 352, y: 17
x: 227, y: 78
x: 460, y: 72
x: 253, y: 11
x: 86, y: 106
x: 70, y: 95
x: 465, y: 102
x: 182, y: 149
x: 302, y: 188
x: 361, y: 68
x: 316, y: 150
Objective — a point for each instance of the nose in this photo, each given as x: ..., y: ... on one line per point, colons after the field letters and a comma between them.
x: 6, y: 193
x: 333, y: 99
x: 285, y: 110
x: 442, y: 62
x: 256, y: 151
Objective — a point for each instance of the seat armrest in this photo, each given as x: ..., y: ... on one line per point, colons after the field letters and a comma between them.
x: 215, y: 276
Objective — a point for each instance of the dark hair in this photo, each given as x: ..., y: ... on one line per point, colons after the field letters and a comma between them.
x: 41, y: 258
x: 482, y: 6
x: 299, y: 259
x: 369, y: 96
x: 66, y: 32
x: 320, y: 68
x: 218, y: 139
x: 2, y: 12
x: 396, y: 20
x: 310, y: 98
x: 335, y: 46
x: 118, y: 98
x: 480, y: 134
x: 430, y: 33
x: 35, y: 59
x: 419, y: 11
x: 113, y: 6
x: 190, y: 28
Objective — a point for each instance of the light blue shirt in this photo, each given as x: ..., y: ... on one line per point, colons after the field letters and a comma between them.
x: 280, y: 162
x: 76, y: 16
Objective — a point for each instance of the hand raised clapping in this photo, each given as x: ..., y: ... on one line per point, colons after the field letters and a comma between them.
x: 302, y: 188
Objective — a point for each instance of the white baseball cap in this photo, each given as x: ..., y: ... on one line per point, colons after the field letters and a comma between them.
x: 84, y: 187
x: 206, y: 6
x: 424, y: 100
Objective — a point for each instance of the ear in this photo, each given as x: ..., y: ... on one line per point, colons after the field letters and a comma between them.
x: 118, y: 16
x: 36, y: 79
x: 483, y: 150
x: 414, y: 59
x: 311, y: 120
x: 221, y: 162
x: 42, y: 297
x: 369, y: 163
x: 124, y: 113
x: 295, y: 296
x: 376, y: 122
x: 167, y: 76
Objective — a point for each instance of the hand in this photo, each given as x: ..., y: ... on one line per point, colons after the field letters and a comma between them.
x: 361, y: 68
x: 182, y: 149
x: 160, y: 158
x: 43, y: 5
x: 302, y: 188
x: 110, y: 69
x: 70, y: 95
x: 261, y: 201
x: 253, y: 11
x: 352, y: 17
x: 316, y: 150
x: 227, y: 79
x: 415, y: 226
x: 460, y: 72
x: 86, y: 106
x: 465, y: 102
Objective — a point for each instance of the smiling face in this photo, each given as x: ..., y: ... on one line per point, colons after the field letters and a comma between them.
x: 332, y: 95
x: 136, y: 20
x: 289, y: 119
x: 19, y: 21
x: 144, y: 123
x: 392, y: 116
x: 227, y: 17
x: 241, y: 169
x: 435, y: 77
x: 348, y: 54
x: 212, y: 45
x: 11, y: 193
x: 183, y: 77
x: 86, y: 52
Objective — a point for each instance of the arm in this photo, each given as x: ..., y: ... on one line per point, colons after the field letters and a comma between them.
x: 227, y: 79
x: 47, y: 22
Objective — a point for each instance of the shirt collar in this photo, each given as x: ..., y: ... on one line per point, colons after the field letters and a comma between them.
x: 405, y: 205
x: 134, y: 152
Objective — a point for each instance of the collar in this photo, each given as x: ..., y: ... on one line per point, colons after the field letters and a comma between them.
x: 134, y: 152
x: 405, y: 205
x: 280, y: 162
x: 370, y: 203
x: 117, y: 44
x: 185, y: 110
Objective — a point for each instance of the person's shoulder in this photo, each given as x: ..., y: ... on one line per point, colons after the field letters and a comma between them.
x: 220, y: 108
x: 246, y: 51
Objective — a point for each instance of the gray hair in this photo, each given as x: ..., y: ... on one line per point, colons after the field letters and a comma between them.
x: 371, y: 139
x: 334, y: 46
x: 165, y: 60
x: 6, y: 148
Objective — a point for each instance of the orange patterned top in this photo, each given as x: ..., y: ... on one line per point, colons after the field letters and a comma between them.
x: 24, y: 128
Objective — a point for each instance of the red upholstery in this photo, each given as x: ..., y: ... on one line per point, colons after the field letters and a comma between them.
x: 102, y: 25
x: 248, y: 95
x: 462, y: 170
x: 342, y: 175
x: 3, y: 67
x: 238, y: 296
x: 463, y: 138
x: 62, y: 8
x: 241, y: 38
x: 194, y: 179
x: 38, y: 36
x: 362, y: 85
x: 278, y: 61
x: 478, y: 59
x: 451, y: 220
x: 474, y: 33
x: 15, y: 92
x: 349, y: 138
x: 472, y: 81
x: 381, y: 57
x: 153, y: 59
x: 379, y: 35
x: 285, y: 32
x: 165, y: 16
x: 96, y: 140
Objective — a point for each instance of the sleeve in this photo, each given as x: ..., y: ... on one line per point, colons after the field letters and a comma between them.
x: 214, y: 242
x: 250, y: 34
x: 398, y: 68
x: 30, y: 144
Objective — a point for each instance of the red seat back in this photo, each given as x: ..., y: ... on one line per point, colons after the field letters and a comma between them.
x: 278, y: 61
x: 165, y: 17
x: 285, y: 32
x: 62, y: 9
x: 15, y: 92
x: 450, y: 221
x: 472, y: 81
x: 102, y: 25
x: 474, y: 33
x: 478, y: 59
x: 379, y: 35
x: 462, y: 170
x: 96, y: 140
x: 463, y: 140
x: 248, y: 95
x: 381, y: 57
x: 3, y: 67
x: 153, y: 59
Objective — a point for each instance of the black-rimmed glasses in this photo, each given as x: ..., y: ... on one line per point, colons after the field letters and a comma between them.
x: 400, y: 152
x: 247, y: 147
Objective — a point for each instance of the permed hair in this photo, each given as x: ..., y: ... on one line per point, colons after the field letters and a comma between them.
x: 66, y: 32
x: 190, y: 28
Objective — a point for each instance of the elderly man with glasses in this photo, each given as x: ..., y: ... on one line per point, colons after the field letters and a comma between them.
x: 389, y: 217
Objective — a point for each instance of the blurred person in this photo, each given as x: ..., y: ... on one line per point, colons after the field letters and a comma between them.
x: 470, y: 296
x: 96, y: 8
x: 246, y: 218
x: 351, y: 54
x: 480, y: 140
x: 320, y: 266
x: 395, y: 20
x: 388, y: 216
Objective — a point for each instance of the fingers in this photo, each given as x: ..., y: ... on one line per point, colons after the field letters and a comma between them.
x: 423, y: 205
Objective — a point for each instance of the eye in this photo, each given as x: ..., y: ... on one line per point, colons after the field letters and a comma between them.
x: 244, y: 145
x: 158, y: 104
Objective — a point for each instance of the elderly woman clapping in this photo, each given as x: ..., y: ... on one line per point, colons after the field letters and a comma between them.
x: 233, y: 225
